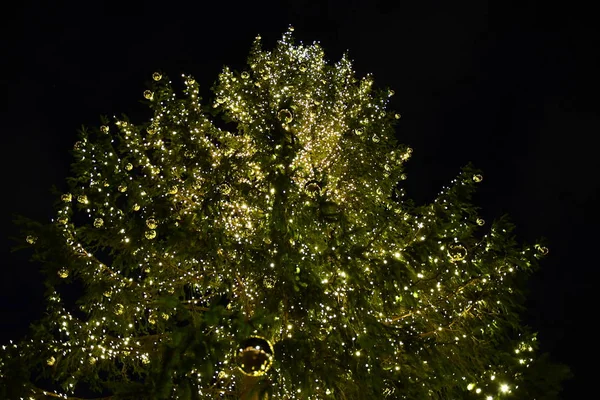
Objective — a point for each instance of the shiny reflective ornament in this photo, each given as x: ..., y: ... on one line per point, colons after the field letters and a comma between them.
x: 457, y: 252
x: 151, y: 320
x: 255, y: 356
x: 225, y: 188
x: 375, y: 139
x: 190, y: 81
x: 63, y: 221
x: 129, y: 167
x: 63, y: 273
x: 269, y: 282
x: 122, y: 188
x: 358, y: 132
x: 477, y: 178
x: 51, y: 361
x: 82, y: 199
x: 92, y: 360
x: 391, y: 93
x: 98, y: 223
x: 104, y: 129
x: 151, y: 223
x: 150, y: 234
x: 397, y: 116
x: 31, y: 239
x: 173, y: 189
x: 148, y: 94
x: 78, y: 145
x: 151, y: 130
x: 313, y: 188
x: 403, y: 177
x: 285, y: 116
x: 136, y: 207
x: 303, y: 66
x: 107, y: 294
x: 220, y: 100
x: 157, y: 76
x: 480, y: 221
x: 66, y: 197
x: 119, y: 309
x: 541, y: 249
x: 245, y: 75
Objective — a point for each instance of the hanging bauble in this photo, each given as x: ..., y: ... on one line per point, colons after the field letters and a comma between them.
x: 358, y: 132
x: 313, y: 188
x: 151, y: 223
x: 151, y: 234
x: 92, y: 360
x: 477, y: 178
x: 255, y: 356
x: 541, y: 249
x: 220, y: 100
x: 107, y: 294
x: 66, y: 197
x: 269, y: 282
x: 63, y: 273
x: 303, y: 66
x: 104, y: 129
x: 119, y: 309
x: 457, y: 252
x: 397, y: 116
x: 225, y: 188
x: 31, y: 239
x: 78, y: 145
x: 51, y: 361
x: 136, y: 207
x: 190, y: 81
x: 403, y: 177
x: 375, y: 138
x: 245, y: 75
x: 129, y: 167
x: 148, y: 94
x: 391, y: 93
x: 82, y: 199
x: 151, y: 320
x: 285, y: 116
x: 157, y: 76
x: 480, y: 221
x: 98, y: 222
x: 173, y: 189
x: 63, y: 220
x: 122, y: 188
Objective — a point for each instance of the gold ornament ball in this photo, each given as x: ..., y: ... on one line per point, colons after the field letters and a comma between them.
x: 480, y: 221
x: 98, y: 223
x: 269, y: 282
x: 190, y: 81
x: 245, y: 75
x: 63, y: 273
x: 477, y: 178
x: 151, y: 223
x: 285, y: 116
x: 157, y: 76
x: 541, y: 249
x: 457, y: 253
x: 173, y: 189
x: 151, y: 320
x: 220, y: 100
x: 104, y: 129
x: 82, y: 199
x: 225, y: 188
x: 358, y: 132
x: 403, y: 177
x: 122, y: 188
x: 119, y: 309
x: 255, y: 356
x: 51, y: 361
x: 303, y: 67
x: 92, y: 360
x: 129, y: 166
x: 31, y: 239
x: 66, y: 197
x: 151, y: 130
x: 375, y: 138
x: 397, y: 116
x: 63, y: 221
x: 391, y: 92
x: 148, y: 94
x: 150, y: 234
x: 107, y: 294
x: 136, y: 207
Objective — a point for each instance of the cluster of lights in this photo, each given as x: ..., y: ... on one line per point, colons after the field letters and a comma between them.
x: 195, y: 212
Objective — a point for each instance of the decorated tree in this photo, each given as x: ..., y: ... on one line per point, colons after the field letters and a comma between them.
x: 270, y: 256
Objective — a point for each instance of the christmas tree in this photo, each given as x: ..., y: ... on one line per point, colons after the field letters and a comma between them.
x: 270, y: 256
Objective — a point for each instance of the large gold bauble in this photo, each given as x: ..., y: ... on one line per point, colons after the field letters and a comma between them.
x: 457, y: 252
x: 148, y: 94
x: 157, y: 76
x: 285, y: 116
x: 150, y: 234
x: 151, y: 223
x: 255, y: 356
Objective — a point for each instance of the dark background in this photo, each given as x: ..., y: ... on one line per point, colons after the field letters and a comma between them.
x: 511, y: 87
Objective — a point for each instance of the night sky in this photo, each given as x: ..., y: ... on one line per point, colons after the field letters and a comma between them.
x: 511, y: 88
